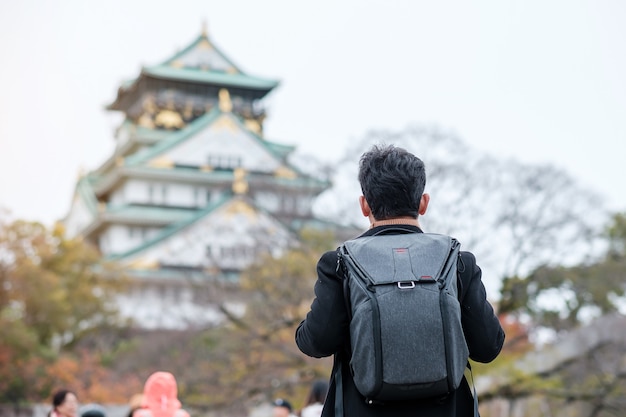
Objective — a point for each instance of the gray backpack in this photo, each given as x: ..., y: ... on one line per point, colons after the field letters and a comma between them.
x: 406, y: 336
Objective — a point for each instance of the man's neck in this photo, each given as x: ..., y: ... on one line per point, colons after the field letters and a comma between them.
x: 410, y: 221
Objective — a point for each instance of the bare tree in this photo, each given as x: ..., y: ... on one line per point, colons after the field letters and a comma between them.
x: 514, y: 216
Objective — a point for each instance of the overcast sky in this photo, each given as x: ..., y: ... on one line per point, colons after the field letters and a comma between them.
x: 544, y: 81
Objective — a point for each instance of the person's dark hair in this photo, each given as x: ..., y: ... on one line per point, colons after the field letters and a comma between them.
x: 392, y: 181
x: 59, y: 397
x: 318, y: 392
x: 279, y: 402
x: 93, y: 410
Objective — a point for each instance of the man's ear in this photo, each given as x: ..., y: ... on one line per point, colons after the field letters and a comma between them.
x: 365, y: 208
x: 424, y: 204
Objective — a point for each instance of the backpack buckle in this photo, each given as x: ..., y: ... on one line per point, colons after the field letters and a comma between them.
x: 406, y: 285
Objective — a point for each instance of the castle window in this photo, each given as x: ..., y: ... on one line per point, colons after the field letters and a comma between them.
x: 268, y: 200
x: 224, y: 161
x: 237, y: 252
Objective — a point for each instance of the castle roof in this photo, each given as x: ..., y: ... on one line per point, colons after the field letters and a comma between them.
x: 201, y: 62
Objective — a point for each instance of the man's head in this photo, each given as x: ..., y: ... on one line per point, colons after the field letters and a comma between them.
x: 392, y: 181
x: 282, y: 408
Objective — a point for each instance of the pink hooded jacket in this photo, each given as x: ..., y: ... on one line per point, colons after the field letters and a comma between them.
x: 160, y: 397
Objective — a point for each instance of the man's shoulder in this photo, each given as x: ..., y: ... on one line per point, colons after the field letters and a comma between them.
x: 467, y: 256
x: 327, y: 263
x: 329, y: 255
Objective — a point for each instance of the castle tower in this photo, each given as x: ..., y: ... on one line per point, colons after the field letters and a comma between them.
x: 193, y: 192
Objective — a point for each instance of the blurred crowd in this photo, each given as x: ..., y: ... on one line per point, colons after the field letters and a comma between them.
x: 160, y: 399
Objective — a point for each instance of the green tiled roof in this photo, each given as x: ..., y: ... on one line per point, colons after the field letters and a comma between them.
x: 85, y: 190
x: 209, y: 77
x: 173, y: 229
x: 280, y: 149
x: 149, y: 213
x: 174, y: 138
x: 202, y: 53
x: 203, y: 62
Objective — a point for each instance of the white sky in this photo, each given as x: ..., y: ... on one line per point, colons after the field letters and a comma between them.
x: 543, y: 81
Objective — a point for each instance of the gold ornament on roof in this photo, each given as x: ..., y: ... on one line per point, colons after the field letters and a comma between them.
x: 205, y: 44
x: 144, y: 264
x: 241, y: 207
x: 225, y: 104
x: 254, y: 126
x: 169, y: 119
x: 240, y: 185
x: 224, y: 122
x: 161, y: 162
x: 284, y: 172
x: 145, y: 120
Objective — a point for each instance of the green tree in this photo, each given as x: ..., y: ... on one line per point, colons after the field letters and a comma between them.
x: 616, y: 233
x: 561, y: 297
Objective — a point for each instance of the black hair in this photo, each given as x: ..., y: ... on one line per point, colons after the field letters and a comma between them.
x: 59, y: 397
x: 392, y: 181
x: 279, y: 402
x: 93, y: 410
x: 318, y: 392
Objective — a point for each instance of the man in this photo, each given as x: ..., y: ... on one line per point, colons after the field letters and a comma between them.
x: 392, y: 181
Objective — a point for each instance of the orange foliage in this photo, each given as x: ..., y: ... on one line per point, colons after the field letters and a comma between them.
x: 517, y: 338
x: 93, y: 382
x: 83, y: 373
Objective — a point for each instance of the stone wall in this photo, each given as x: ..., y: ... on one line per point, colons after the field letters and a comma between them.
x: 589, y: 365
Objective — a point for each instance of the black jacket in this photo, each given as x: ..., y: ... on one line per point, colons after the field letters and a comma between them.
x: 325, y: 331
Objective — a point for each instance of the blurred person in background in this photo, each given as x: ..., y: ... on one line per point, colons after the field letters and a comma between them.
x: 282, y: 408
x: 160, y: 397
x: 64, y: 404
x: 315, y: 400
x: 134, y: 404
x: 92, y: 410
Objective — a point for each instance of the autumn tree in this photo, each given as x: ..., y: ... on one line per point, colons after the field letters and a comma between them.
x: 250, y: 356
x: 53, y: 292
x: 253, y: 357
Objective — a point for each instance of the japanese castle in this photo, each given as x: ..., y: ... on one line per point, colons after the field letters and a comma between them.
x: 193, y: 191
